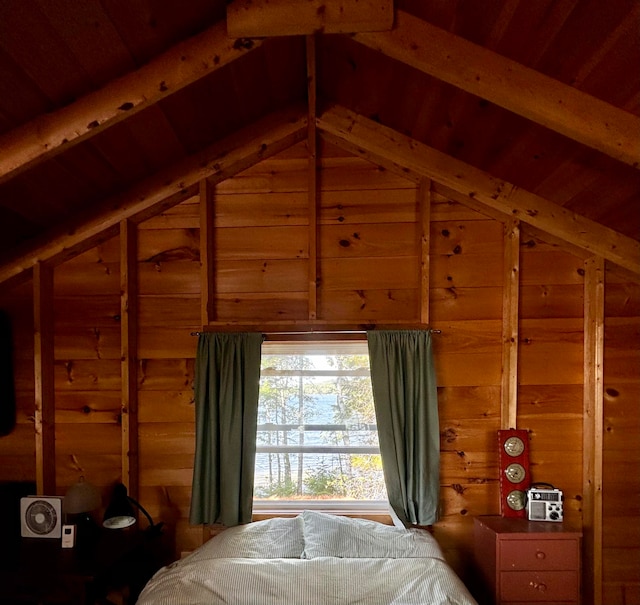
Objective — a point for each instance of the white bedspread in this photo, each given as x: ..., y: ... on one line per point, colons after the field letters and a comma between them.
x: 311, y: 559
x: 319, y: 581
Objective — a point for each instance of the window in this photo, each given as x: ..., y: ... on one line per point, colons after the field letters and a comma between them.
x: 317, y: 440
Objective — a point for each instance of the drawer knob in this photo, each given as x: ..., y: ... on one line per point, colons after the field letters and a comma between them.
x: 540, y: 555
x: 539, y: 586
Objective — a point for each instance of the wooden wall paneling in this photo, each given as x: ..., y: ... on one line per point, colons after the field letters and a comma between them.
x: 551, y: 351
x: 72, y: 311
x: 88, y: 374
x: 169, y: 245
x: 156, y: 277
x: 167, y: 342
x: 510, y: 318
x: 468, y: 353
x: 313, y: 187
x: 248, y: 208
x: 244, y: 277
x: 175, y: 310
x: 273, y: 175
x: 621, y: 446
x: 538, y: 257
x: 43, y: 358
x: 129, y: 356
x: 207, y: 256
x: 268, y: 306
x: 185, y: 215
x: 368, y: 240
x: 593, y: 429
x: 370, y: 273
x: 371, y: 305
x: 360, y: 172
x: 423, y: 194
x: 466, y: 261
x: 551, y: 364
x: 377, y: 206
x: 262, y: 243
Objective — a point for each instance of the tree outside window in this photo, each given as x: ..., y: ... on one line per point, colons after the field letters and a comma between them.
x: 317, y: 437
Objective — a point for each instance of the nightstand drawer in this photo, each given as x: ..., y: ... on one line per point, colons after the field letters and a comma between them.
x: 539, y: 554
x: 539, y: 586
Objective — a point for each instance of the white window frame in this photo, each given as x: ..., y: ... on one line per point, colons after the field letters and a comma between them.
x: 344, y: 507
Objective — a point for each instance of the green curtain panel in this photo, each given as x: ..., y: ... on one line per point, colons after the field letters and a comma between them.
x: 405, y: 399
x: 227, y: 383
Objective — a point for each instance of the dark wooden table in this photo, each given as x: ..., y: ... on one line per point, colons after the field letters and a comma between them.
x: 40, y: 571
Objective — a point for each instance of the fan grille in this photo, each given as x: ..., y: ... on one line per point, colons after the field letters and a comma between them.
x: 41, y: 517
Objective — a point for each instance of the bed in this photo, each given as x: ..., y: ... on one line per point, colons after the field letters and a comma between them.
x: 311, y: 559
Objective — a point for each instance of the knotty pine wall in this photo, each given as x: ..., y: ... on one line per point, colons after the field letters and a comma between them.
x: 370, y: 260
x: 621, y: 443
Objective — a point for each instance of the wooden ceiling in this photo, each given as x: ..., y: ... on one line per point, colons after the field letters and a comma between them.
x: 114, y: 109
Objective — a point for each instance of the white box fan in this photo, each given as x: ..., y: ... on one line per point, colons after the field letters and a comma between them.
x: 41, y: 517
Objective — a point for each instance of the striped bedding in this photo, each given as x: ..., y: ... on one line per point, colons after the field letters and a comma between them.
x: 314, y: 559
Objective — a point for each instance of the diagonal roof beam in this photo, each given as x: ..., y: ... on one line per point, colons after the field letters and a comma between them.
x: 511, y: 85
x: 183, y: 64
x: 396, y: 151
x: 224, y: 159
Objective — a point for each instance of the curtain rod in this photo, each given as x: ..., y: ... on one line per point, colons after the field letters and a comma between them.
x: 319, y: 332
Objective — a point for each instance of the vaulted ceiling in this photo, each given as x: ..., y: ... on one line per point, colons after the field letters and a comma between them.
x: 115, y: 109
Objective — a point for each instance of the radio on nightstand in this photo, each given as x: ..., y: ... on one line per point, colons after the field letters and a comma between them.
x: 544, y: 503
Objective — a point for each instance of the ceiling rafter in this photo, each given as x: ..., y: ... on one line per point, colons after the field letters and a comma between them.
x: 224, y: 159
x: 389, y: 148
x: 509, y: 84
x: 183, y: 64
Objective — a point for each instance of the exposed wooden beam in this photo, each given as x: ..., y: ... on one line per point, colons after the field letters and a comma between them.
x: 593, y: 427
x: 511, y: 85
x: 217, y: 163
x: 180, y: 66
x: 389, y: 148
x: 261, y: 18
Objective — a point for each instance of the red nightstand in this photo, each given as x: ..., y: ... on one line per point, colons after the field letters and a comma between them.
x: 524, y: 561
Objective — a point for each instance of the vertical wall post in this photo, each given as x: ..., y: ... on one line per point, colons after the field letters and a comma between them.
x: 510, y: 305
x: 207, y: 257
x: 129, y: 355
x: 424, y: 211
x: 43, y: 359
x: 312, y: 144
x: 593, y: 426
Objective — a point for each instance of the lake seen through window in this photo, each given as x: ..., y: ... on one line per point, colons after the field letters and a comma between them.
x: 317, y: 437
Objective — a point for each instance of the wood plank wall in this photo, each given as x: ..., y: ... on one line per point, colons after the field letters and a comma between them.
x: 371, y: 268
x: 621, y: 442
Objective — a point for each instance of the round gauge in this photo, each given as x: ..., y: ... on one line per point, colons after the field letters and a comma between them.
x: 515, y: 472
x: 515, y: 499
x: 514, y: 446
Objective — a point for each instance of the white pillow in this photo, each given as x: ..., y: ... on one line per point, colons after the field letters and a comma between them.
x: 277, y: 538
x: 332, y: 536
